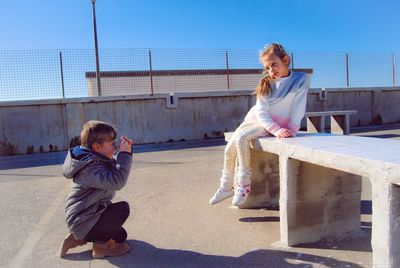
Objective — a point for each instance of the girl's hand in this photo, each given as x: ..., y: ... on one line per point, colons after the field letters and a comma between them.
x: 285, y: 133
x: 125, y: 144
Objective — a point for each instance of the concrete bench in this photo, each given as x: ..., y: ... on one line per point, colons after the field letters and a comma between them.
x: 340, y: 121
x: 316, y: 180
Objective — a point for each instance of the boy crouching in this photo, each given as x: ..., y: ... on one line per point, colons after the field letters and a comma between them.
x: 96, y: 175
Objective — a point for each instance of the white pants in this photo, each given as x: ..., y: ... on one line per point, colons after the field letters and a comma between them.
x: 238, y: 148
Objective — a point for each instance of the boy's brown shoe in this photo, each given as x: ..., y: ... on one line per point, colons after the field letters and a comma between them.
x: 68, y: 243
x: 109, y: 249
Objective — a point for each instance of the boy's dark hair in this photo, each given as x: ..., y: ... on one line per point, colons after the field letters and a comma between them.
x: 97, y: 131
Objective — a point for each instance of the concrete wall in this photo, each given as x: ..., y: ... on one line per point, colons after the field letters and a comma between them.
x: 52, y: 125
x: 375, y: 106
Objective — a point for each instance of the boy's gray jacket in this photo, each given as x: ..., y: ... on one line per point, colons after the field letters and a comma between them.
x: 95, y: 178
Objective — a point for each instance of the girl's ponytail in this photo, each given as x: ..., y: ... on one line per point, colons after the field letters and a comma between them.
x: 264, y: 86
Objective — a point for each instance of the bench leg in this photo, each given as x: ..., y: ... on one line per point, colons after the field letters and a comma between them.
x: 264, y: 180
x: 340, y: 124
x: 316, y: 202
x: 385, y: 224
x: 316, y: 124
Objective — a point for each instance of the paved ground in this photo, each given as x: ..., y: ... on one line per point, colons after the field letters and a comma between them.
x: 171, y: 223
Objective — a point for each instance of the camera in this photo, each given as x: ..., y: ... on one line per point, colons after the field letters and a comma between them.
x: 118, y: 142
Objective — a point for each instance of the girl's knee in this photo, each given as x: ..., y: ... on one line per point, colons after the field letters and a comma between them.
x: 240, y: 140
x: 229, y: 148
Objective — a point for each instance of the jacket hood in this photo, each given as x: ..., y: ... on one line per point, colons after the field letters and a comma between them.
x: 78, y: 158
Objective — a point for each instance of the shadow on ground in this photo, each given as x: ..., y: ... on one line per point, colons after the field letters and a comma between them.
x: 143, y: 254
x: 57, y: 158
x: 382, y: 136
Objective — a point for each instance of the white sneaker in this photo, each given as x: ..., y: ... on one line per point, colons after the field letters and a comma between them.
x: 220, y: 195
x: 241, y: 194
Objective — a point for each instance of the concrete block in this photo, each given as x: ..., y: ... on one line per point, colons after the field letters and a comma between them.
x: 385, y: 223
x: 316, y: 124
x: 264, y: 180
x: 331, y: 209
x: 340, y: 124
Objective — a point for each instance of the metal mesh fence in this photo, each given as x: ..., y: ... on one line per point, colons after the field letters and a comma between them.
x: 68, y: 73
x: 370, y: 69
x: 29, y: 74
x: 329, y: 68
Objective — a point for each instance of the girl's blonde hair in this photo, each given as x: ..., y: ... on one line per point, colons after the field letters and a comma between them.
x: 264, y: 86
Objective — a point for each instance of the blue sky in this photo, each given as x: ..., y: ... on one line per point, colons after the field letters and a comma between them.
x: 192, y: 34
x: 303, y: 25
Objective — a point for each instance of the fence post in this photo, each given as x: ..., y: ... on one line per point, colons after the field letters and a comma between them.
x: 62, y: 76
x: 227, y: 69
x: 96, y: 48
x: 394, y: 69
x: 347, y: 70
x: 292, y: 61
x: 151, y: 74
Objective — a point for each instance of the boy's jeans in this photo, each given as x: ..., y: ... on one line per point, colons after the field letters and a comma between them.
x: 110, y: 224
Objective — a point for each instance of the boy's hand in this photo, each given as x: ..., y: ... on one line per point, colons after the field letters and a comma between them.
x: 285, y: 133
x: 125, y: 144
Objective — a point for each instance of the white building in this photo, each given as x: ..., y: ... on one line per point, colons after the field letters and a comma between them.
x: 168, y: 81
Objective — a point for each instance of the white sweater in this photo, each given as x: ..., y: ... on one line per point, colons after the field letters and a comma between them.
x: 284, y: 108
